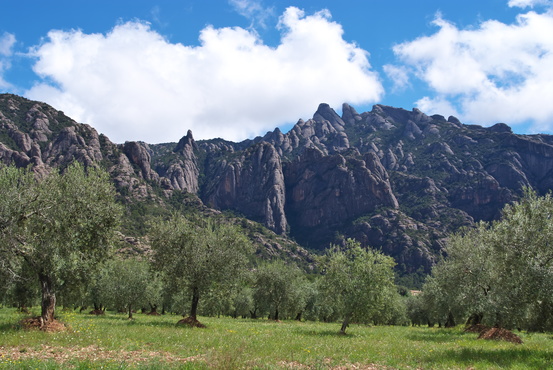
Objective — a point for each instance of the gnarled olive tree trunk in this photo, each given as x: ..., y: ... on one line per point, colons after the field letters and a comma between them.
x: 48, y: 304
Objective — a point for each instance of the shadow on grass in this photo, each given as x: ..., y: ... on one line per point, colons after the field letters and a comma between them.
x: 137, y: 320
x: 508, y: 358
x: 437, y: 336
x: 323, y: 333
x: 102, y: 317
x: 162, y: 324
x: 9, y: 327
x: 117, y: 317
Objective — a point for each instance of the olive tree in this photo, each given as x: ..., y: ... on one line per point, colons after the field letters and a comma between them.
x: 465, y: 283
x: 522, y: 247
x: 501, y: 273
x: 125, y: 283
x: 243, y: 303
x: 358, y: 282
x: 276, y: 287
x: 199, y: 256
x: 60, y: 225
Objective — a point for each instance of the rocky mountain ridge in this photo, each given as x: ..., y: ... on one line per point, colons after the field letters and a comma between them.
x: 396, y: 180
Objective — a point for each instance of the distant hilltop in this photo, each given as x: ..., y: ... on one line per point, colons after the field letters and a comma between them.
x: 393, y: 179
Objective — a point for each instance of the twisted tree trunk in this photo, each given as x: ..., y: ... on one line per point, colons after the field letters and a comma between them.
x: 48, y: 304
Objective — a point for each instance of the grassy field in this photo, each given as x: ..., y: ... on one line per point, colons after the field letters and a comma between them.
x: 113, y: 342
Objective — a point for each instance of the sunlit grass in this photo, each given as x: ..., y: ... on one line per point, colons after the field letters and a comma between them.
x: 112, y: 341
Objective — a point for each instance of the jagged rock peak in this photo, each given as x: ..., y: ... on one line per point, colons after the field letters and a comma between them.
x: 454, y: 120
x: 400, y: 114
x: 325, y: 113
x: 184, y: 141
x: 500, y: 127
x: 349, y: 114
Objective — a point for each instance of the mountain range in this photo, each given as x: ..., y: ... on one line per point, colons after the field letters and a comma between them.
x: 396, y: 180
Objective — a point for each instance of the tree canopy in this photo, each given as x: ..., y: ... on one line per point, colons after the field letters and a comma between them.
x: 199, y: 256
x: 277, y: 287
x: 125, y: 284
x: 501, y: 273
x: 60, y: 225
x: 359, y: 281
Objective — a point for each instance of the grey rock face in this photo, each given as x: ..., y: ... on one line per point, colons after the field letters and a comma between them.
x: 323, y: 191
x: 138, y: 154
x: 252, y: 184
x: 394, y: 179
x: 183, y: 174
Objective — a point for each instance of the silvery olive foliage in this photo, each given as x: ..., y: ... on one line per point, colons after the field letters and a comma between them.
x: 199, y: 256
x: 359, y: 283
x: 59, y: 226
x: 500, y: 272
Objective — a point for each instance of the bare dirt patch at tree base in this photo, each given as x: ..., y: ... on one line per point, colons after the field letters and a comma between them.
x: 192, y: 322
x: 37, y: 323
x: 97, y: 312
x: 500, y: 334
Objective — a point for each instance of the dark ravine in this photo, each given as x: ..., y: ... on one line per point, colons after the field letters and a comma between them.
x: 396, y: 180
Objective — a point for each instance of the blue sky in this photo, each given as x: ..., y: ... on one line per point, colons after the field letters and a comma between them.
x: 151, y: 70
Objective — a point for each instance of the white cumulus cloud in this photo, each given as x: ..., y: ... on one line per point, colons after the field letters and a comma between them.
x: 7, y: 41
x: 132, y: 84
x: 529, y: 3
x: 493, y: 73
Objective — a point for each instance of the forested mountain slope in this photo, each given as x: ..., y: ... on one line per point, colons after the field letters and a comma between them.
x: 396, y: 180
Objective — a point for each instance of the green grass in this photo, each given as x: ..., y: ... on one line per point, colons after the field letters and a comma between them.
x: 113, y: 342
